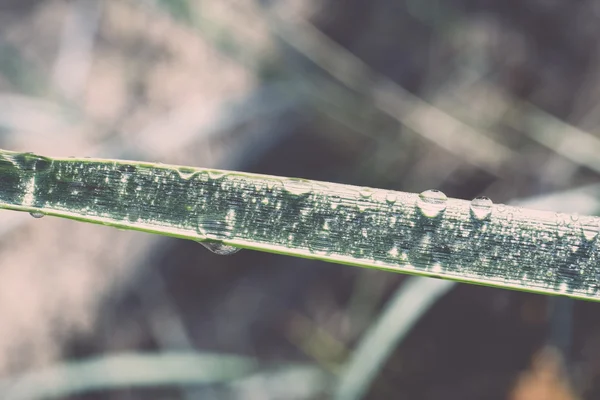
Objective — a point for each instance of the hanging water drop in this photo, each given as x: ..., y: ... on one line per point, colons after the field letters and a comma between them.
x: 391, y: 198
x: 220, y: 248
x: 432, y: 203
x: 481, y: 207
x: 366, y: 193
x: 186, y: 173
x: 216, y: 174
x: 36, y: 214
x: 590, y: 234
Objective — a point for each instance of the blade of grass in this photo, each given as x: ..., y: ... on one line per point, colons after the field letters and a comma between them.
x: 427, y: 234
x: 291, y: 382
x: 408, y: 304
x: 146, y: 370
x: 415, y: 297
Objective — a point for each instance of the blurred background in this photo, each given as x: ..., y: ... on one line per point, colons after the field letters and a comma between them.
x: 472, y: 97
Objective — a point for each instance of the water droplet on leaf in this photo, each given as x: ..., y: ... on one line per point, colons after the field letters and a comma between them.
x: 366, y: 193
x: 186, y: 173
x: 391, y: 198
x: 220, y: 248
x: 481, y: 207
x: 297, y: 186
x: 36, y: 214
x: 216, y: 174
x: 432, y: 203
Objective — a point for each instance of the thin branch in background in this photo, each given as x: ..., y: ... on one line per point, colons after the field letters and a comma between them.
x: 408, y: 109
x: 566, y: 140
x: 433, y: 124
x: 560, y: 137
x: 572, y: 143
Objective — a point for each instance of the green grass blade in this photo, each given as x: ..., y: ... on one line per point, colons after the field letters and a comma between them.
x: 426, y: 234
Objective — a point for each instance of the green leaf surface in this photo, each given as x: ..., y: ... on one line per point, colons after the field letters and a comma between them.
x: 424, y: 234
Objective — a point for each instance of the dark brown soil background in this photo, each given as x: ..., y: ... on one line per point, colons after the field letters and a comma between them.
x: 222, y: 84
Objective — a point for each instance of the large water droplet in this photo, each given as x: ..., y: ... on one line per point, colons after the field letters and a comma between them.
x: 391, y: 198
x: 432, y: 203
x: 216, y: 174
x: 366, y: 193
x: 481, y: 207
x: 186, y: 173
x: 217, y: 225
x: 36, y: 214
x: 220, y: 248
x: 297, y: 186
